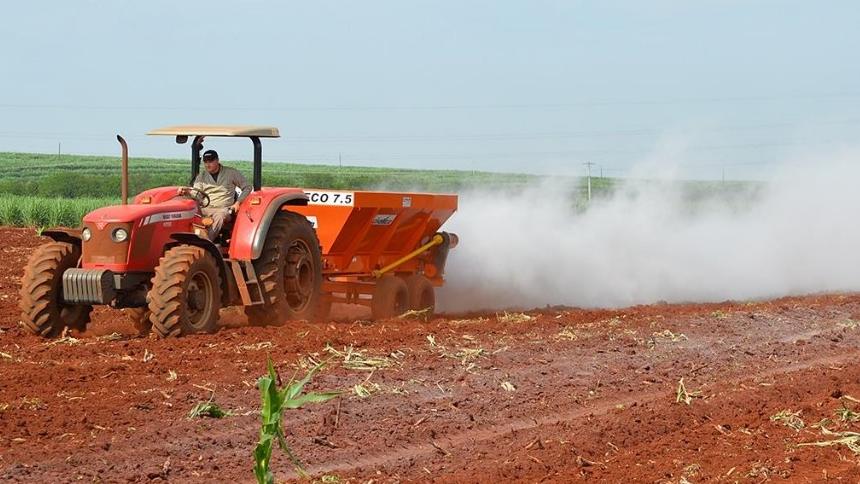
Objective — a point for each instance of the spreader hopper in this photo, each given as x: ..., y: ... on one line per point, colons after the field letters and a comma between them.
x: 381, y: 249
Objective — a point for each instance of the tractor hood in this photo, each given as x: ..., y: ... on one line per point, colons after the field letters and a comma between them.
x: 134, y: 212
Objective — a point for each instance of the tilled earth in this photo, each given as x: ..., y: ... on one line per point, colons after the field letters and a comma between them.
x: 666, y: 393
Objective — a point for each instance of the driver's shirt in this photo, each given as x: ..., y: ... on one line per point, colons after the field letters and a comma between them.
x: 222, y: 192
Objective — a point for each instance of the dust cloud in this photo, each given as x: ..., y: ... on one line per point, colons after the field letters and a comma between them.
x: 795, y: 233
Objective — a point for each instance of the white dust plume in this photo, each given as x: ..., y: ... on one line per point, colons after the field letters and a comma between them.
x: 794, y: 234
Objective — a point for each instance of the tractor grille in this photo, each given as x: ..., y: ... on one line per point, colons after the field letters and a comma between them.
x: 88, y: 286
x: 101, y: 249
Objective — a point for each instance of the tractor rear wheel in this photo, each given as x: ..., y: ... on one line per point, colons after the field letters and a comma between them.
x: 422, y: 295
x: 390, y: 298
x: 186, y: 293
x: 42, y: 309
x: 289, y: 271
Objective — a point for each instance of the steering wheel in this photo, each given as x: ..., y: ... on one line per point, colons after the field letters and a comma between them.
x: 197, y: 195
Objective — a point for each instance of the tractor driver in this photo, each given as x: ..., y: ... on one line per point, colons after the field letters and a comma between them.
x: 220, y: 183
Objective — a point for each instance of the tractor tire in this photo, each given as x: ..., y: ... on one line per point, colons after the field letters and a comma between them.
x: 390, y: 298
x: 422, y: 295
x: 43, y: 312
x: 186, y: 293
x: 140, y: 318
x: 289, y: 270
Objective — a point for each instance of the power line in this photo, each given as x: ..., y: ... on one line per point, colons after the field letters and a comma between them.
x: 447, y: 107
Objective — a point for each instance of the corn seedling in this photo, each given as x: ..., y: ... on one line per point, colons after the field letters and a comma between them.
x: 789, y: 419
x: 274, y: 401
x: 682, y: 395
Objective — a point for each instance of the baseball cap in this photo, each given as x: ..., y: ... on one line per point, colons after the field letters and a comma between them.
x: 210, y: 155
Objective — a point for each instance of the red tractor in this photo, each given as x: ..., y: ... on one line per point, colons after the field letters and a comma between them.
x: 287, y: 254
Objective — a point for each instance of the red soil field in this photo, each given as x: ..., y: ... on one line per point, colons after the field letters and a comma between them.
x: 558, y: 394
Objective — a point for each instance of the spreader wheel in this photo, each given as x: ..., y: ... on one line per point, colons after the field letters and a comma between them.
x: 422, y: 295
x: 290, y: 272
x: 186, y: 293
x: 140, y: 318
x: 43, y: 312
x: 390, y: 298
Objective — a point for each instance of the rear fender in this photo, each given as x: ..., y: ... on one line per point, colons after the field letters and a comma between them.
x: 252, y: 222
x: 190, y: 238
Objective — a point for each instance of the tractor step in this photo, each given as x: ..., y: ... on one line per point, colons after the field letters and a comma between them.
x: 246, y: 281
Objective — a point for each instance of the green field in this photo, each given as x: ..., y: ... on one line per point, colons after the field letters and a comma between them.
x: 97, y: 176
x: 38, y: 190
x: 24, y: 211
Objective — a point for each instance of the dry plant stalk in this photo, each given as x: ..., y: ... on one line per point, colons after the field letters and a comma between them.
x: 683, y: 395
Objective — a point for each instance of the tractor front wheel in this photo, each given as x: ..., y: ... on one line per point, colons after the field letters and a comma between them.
x: 42, y: 309
x: 390, y: 298
x: 289, y: 271
x: 186, y: 293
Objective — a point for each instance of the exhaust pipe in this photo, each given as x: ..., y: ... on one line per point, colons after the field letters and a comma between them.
x: 124, y: 176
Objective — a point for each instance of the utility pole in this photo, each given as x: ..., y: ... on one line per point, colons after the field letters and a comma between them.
x: 588, y: 165
x: 339, y: 160
x: 59, y: 147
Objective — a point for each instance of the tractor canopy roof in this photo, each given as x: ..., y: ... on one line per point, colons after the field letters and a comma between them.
x: 217, y: 130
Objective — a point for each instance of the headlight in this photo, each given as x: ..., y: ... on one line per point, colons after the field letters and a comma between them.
x: 86, y: 234
x: 119, y: 235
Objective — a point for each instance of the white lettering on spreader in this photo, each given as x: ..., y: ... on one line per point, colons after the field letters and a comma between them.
x: 345, y: 199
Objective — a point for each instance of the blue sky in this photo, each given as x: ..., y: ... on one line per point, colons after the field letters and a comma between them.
x: 537, y: 86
